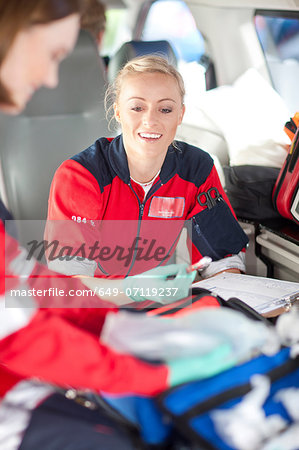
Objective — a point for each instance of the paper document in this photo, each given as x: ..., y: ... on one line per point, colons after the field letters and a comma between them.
x: 262, y: 294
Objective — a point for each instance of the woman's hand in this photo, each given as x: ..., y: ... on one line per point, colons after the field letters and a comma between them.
x: 163, y: 284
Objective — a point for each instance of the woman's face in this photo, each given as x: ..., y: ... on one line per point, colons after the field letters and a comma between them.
x: 149, y: 109
x: 34, y: 58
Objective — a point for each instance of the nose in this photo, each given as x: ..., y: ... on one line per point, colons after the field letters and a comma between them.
x: 51, y: 76
x: 150, y: 118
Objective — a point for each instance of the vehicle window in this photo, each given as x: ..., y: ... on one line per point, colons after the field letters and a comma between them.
x: 279, y: 38
x: 179, y: 29
x: 117, y: 31
x: 181, y: 32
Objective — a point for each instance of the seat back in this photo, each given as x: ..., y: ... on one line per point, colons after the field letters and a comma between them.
x: 132, y: 49
x: 57, y: 124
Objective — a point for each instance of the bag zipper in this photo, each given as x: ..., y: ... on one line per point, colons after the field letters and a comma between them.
x: 201, y: 235
x: 280, y: 181
x: 289, y: 165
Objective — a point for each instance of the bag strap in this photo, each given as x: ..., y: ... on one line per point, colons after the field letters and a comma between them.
x: 197, y: 294
x: 238, y: 305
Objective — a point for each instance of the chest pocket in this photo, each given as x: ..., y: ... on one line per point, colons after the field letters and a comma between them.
x: 216, y: 232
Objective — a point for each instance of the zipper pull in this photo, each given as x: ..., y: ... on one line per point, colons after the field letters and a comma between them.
x: 141, y: 209
x: 196, y: 226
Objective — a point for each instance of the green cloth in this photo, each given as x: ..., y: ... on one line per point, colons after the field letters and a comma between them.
x: 196, y: 368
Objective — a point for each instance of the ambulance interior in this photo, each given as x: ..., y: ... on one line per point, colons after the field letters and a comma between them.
x: 240, y: 64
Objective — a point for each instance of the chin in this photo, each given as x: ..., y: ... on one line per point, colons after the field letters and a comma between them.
x: 12, y: 110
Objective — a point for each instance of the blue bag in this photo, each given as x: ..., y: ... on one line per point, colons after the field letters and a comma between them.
x: 141, y: 414
x: 191, y: 406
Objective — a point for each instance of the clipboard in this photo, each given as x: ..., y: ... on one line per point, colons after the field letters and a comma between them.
x: 268, y: 296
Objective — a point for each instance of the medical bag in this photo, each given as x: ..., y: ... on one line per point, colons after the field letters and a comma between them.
x: 120, y: 332
x: 249, y: 189
x: 232, y: 409
x: 286, y: 190
x: 201, y: 298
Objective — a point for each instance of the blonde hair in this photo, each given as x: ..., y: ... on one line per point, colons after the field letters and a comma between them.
x: 139, y: 65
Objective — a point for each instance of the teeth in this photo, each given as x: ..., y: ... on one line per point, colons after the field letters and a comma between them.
x: 150, y: 135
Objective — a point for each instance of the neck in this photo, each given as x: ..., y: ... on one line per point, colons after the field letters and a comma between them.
x: 144, y: 174
x: 144, y: 170
x: 147, y: 183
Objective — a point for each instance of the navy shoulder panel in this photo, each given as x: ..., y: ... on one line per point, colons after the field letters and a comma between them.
x: 95, y: 160
x: 195, y: 164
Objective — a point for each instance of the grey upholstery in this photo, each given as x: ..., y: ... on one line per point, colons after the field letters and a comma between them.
x: 132, y: 49
x: 57, y: 124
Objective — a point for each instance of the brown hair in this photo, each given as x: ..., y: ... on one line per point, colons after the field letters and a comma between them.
x: 143, y: 64
x: 16, y: 15
x: 93, y: 18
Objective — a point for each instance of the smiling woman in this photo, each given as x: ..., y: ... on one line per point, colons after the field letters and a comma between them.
x: 145, y: 176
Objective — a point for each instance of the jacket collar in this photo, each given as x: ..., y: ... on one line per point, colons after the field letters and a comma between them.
x: 119, y: 162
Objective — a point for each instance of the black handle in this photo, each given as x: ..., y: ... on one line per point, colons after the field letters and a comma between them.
x: 295, y: 153
x: 239, y: 305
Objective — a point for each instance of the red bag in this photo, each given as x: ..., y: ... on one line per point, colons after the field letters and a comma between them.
x: 200, y: 298
x: 286, y: 189
x: 203, y: 298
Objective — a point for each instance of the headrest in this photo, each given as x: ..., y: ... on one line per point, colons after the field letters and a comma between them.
x: 132, y: 49
x: 81, y: 87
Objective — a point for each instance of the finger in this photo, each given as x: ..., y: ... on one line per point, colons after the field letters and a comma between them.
x: 166, y: 271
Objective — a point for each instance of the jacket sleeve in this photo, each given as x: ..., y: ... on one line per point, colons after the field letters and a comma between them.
x: 75, y: 206
x: 55, y: 351
x: 215, y: 229
x: 73, y: 193
x: 24, y: 282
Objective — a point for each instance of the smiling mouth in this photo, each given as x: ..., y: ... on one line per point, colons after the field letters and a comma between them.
x: 150, y: 136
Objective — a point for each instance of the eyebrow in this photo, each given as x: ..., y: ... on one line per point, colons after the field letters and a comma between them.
x: 159, y: 101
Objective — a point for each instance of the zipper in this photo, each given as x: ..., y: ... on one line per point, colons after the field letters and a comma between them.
x: 294, y: 154
x: 141, y: 211
x: 102, y: 270
x: 280, y: 181
x: 206, y: 242
x: 289, y: 166
x: 152, y: 190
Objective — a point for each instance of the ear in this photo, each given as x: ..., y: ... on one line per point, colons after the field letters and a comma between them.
x: 99, y: 38
x: 116, y: 112
x: 182, y: 114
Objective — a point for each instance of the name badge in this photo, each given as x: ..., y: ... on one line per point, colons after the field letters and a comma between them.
x: 167, y: 207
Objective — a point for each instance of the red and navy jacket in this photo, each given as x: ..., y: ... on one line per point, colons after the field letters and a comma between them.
x: 95, y: 185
